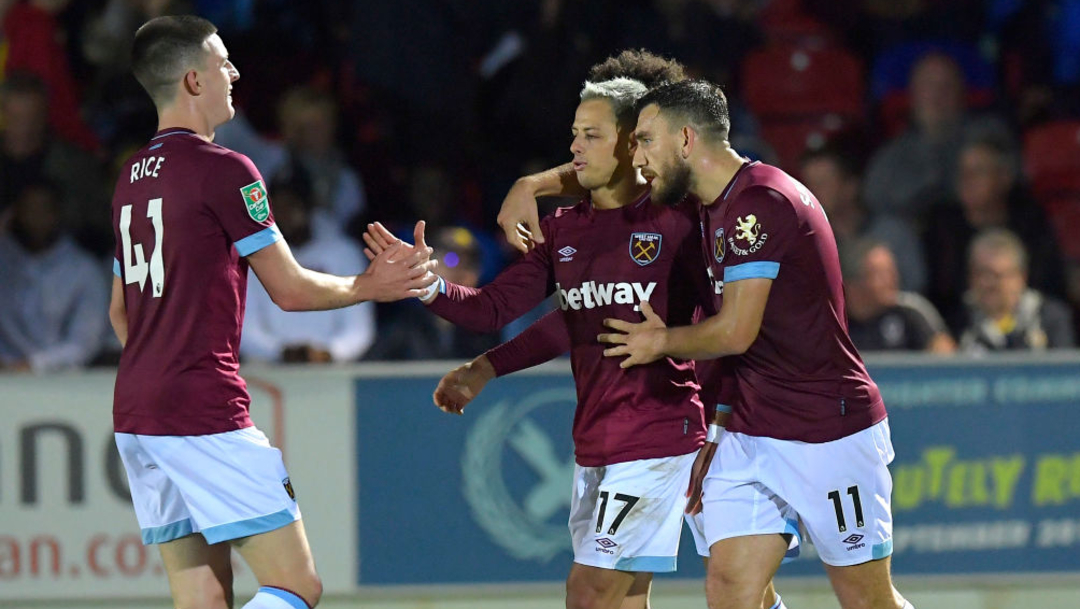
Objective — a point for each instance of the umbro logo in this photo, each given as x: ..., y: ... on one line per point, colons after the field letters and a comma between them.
x: 567, y: 254
x: 854, y: 542
x: 607, y: 543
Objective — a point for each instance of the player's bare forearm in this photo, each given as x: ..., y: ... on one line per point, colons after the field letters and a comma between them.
x: 729, y: 332
x: 519, y: 216
x: 120, y: 329
x: 706, y: 340
x: 558, y: 181
x: 317, y: 291
x: 393, y: 275
x: 118, y: 311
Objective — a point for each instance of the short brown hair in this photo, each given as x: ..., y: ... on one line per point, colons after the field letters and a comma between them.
x: 164, y: 49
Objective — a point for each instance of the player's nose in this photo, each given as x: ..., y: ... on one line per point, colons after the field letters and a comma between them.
x: 575, y: 146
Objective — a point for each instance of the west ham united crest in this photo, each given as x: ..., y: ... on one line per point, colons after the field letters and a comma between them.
x: 718, y: 245
x: 644, y: 247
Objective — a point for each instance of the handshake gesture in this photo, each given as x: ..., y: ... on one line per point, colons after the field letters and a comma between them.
x: 389, y: 256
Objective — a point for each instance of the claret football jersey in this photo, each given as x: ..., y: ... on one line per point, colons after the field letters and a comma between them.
x: 185, y: 213
x: 802, y: 378
x: 601, y: 264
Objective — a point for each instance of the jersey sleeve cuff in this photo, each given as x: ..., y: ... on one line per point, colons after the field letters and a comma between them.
x: 255, y: 242
x: 116, y: 268
x: 752, y: 270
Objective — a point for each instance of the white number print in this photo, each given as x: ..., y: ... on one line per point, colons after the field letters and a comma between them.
x: 804, y: 194
x: 135, y: 267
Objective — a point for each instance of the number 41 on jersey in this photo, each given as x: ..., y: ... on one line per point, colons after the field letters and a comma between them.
x: 135, y: 266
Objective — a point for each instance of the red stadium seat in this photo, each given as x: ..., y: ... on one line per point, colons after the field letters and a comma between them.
x: 1052, y: 159
x: 1065, y: 217
x: 791, y: 138
x: 798, y: 81
x: 786, y: 21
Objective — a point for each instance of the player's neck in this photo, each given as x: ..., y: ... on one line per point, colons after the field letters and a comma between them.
x: 712, y: 172
x: 617, y: 194
x: 180, y: 118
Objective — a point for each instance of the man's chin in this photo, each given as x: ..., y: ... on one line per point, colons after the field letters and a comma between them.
x: 664, y: 196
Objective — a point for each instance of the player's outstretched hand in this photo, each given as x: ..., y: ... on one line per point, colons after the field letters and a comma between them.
x: 378, y: 238
x: 520, y: 218
x: 462, y: 384
x: 697, y: 477
x: 397, y: 273
x: 642, y: 342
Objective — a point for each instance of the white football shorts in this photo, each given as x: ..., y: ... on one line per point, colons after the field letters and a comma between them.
x: 225, y: 486
x: 840, y: 491
x: 628, y: 516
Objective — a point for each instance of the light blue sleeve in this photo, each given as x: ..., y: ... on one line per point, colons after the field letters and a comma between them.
x: 257, y: 241
x: 751, y: 270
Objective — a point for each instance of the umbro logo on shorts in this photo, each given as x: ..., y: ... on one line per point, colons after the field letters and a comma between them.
x: 853, y: 542
x: 605, y: 542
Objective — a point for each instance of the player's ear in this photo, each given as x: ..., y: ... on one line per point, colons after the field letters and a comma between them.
x: 191, y: 82
x: 688, y: 139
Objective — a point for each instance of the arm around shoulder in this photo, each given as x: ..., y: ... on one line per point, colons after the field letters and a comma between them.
x: 729, y: 332
x: 519, y: 207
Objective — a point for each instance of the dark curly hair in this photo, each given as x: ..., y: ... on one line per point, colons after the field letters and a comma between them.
x: 641, y: 65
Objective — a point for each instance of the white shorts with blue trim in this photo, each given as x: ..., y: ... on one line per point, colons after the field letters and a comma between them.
x: 840, y: 491
x: 225, y: 486
x: 628, y: 516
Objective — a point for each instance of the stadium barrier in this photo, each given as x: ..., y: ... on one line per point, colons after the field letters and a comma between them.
x: 395, y: 493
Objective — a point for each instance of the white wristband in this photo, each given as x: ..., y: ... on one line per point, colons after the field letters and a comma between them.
x: 429, y: 291
x: 714, y: 433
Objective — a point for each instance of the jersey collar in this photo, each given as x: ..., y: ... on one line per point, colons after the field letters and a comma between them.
x: 171, y: 131
x: 747, y: 163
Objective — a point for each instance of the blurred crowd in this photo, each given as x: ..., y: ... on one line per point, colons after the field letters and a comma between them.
x: 941, y: 136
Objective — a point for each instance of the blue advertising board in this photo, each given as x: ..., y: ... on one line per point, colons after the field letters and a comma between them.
x: 986, y: 477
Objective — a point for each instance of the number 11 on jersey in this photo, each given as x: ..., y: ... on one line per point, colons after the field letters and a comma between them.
x: 135, y: 266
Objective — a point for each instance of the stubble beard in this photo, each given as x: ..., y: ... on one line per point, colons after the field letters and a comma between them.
x: 676, y: 186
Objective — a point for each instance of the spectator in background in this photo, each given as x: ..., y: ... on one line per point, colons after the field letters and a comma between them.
x: 30, y: 153
x: 308, y: 119
x: 33, y: 44
x: 339, y: 335
x: 309, y: 126
x: 413, y: 332
x: 913, y: 170
x: 1000, y: 311
x: 833, y: 175
x: 435, y: 192
x: 881, y: 317
x: 117, y: 108
x: 988, y: 194
x: 54, y: 302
